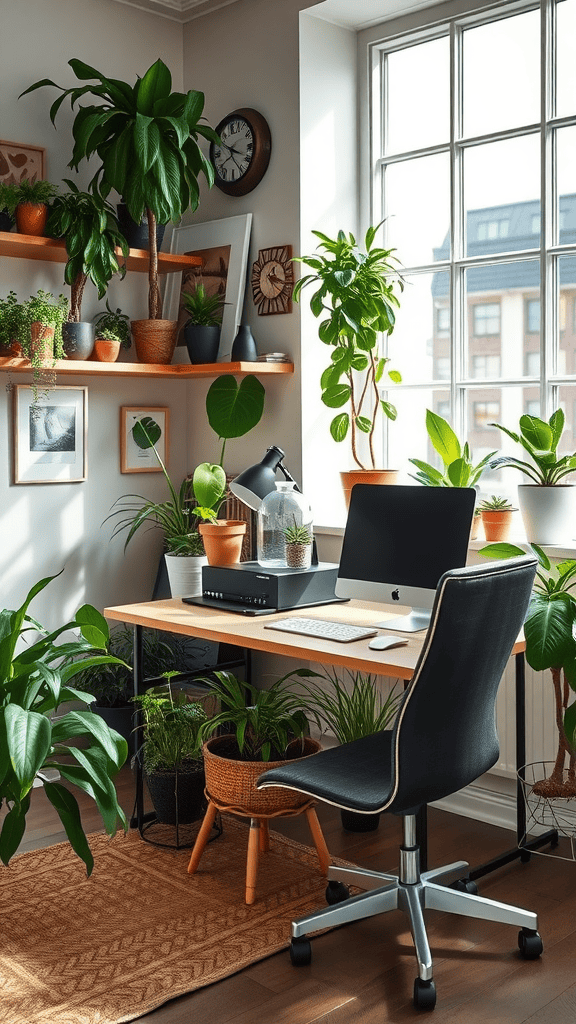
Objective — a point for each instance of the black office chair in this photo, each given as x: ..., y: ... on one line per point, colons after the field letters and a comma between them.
x: 443, y: 739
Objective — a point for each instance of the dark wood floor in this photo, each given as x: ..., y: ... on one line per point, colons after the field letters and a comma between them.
x: 363, y: 973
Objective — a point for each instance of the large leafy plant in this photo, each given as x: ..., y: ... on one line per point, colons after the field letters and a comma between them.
x: 35, y: 680
x: 458, y: 468
x: 146, y: 138
x: 540, y: 439
x: 91, y: 234
x: 263, y: 722
x: 356, y: 299
x: 550, y: 631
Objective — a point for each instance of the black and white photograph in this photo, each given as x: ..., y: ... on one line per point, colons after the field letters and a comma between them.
x: 49, y: 435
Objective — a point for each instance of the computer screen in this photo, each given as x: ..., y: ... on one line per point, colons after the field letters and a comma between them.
x: 398, y: 542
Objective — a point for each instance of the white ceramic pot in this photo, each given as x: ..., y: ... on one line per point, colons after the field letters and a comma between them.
x: 185, y: 574
x: 548, y: 513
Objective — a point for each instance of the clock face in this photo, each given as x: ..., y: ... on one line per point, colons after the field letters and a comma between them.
x: 272, y: 280
x: 241, y: 159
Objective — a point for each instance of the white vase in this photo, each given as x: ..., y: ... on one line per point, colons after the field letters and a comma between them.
x: 185, y: 574
x: 548, y: 513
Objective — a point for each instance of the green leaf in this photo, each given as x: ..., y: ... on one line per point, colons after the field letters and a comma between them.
x: 556, y: 422
x: 570, y: 724
x: 339, y: 426
x: 363, y: 424
x: 69, y: 814
x: 146, y: 432
x: 501, y: 550
x: 13, y: 829
x: 537, y: 433
x: 336, y: 395
x: 155, y: 85
x: 433, y: 475
x: 388, y: 409
x: 233, y: 409
x: 209, y: 484
x: 442, y: 437
x: 28, y: 735
x: 548, y: 631
x: 84, y: 723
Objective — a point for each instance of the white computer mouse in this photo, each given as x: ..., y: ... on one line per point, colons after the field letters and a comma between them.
x: 384, y: 643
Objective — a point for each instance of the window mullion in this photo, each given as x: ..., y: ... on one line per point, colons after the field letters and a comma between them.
x: 457, y: 239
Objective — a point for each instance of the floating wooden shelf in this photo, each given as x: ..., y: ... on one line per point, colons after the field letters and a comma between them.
x: 181, y: 371
x: 29, y: 247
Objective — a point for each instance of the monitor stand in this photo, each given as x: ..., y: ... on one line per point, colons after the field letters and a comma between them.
x: 413, y: 622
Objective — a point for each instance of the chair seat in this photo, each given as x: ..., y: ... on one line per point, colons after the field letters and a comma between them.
x: 355, y: 776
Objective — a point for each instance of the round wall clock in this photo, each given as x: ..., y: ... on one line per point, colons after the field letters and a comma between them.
x: 273, y: 280
x: 241, y: 159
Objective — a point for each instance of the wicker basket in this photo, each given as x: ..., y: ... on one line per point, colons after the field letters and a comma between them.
x: 233, y: 783
x: 155, y: 340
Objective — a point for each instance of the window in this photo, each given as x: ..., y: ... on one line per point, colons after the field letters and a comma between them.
x: 484, y: 413
x: 486, y: 319
x: 477, y: 197
x: 532, y: 407
x: 486, y: 366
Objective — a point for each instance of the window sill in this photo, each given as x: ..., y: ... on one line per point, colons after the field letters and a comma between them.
x: 556, y: 551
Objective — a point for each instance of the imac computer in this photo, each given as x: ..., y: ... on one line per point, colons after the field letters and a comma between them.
x: 399, y: 541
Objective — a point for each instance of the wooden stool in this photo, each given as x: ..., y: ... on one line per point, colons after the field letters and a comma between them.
x: 258, y: 838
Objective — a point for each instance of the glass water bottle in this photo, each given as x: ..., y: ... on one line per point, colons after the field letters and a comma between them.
x: 284, y: 534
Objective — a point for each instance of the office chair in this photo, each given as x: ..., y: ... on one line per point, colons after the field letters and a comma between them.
x: 443, y: 739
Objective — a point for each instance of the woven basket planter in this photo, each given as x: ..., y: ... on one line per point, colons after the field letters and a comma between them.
x: 233, y: 783
x: 155, y: 340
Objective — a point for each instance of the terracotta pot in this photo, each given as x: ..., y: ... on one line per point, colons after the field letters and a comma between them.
x: 105, y: 350
x: 497, y: 524
x: 42, y: 341
x: 31, y: 218
x: 366, y: 476
x: 233, y: 782
x: 475, y: 528
x: 223, y: 541
x: 155, y: 340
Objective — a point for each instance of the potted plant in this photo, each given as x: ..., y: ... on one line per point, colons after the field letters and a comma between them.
x: 496, y: 515
x: 145, y: 137
x: 547, y: 505
x: 90, y: 231
x: 233, y: 409
x: 349, y: 712
x: 550, y: 632
x: 184, y: 551
x: 111, y: 333
x: 356, y: 299
x: 40, y: 320
x: 8, y: 200
x: 202, y: 330
x: 458, y: 468
x: 264, y: 728
x: 9, y: 325
x: 298, y: 546
x: 32, y: 202
x: 172, y: 753
x: 36, y: 677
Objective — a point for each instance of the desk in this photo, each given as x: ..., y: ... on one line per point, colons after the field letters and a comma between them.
x: 250, y: 632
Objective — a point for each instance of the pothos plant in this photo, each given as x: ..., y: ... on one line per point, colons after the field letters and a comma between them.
x: 550, y: 631
x: 356, y: 299
x: 36, y: 677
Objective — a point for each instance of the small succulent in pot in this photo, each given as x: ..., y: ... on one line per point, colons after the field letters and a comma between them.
x: 298, y: 545
x: 496, y: 504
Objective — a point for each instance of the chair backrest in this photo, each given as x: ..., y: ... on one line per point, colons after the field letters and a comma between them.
x: 445, y: 734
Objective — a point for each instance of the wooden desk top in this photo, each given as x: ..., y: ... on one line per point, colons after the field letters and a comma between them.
x: 249, y: 631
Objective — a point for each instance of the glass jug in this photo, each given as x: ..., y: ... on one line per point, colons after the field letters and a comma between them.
x: 284, y: 533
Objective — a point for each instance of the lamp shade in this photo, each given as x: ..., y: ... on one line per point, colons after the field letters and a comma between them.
x: 253, y: 484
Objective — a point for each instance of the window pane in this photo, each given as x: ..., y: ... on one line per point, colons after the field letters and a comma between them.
x: 567, y: 313
x: 417, y: 348
x: 566, y: 156
x: 565, y: 57
x: 407, y: 437
x: 497, y: 298
x: 418, y: 117
x: 417, y: 205
x: 511, y: 403
x: 501, y: 196
x: 501, y: 88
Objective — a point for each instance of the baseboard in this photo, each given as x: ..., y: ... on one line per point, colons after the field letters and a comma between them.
x: 491, y: 799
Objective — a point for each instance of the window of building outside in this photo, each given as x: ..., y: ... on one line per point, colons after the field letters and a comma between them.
x: 478, y: 197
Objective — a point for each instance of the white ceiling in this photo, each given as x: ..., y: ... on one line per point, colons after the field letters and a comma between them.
x: 353, y: 14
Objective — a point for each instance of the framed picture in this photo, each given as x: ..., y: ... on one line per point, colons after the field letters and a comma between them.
x: 223, y: 247
x: 18, y: 160
x: 133, y: 458
x: 50, y: 435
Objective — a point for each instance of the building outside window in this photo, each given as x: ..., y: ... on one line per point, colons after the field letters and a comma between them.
x: 487, y: 242
x: 484, y: 413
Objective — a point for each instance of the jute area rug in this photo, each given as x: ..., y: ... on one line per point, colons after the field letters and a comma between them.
x: 140, y: 930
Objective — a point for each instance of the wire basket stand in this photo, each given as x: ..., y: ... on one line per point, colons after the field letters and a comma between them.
x: 544, y: 813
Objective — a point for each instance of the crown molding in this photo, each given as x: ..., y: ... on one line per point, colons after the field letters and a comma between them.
x: 178, y: 10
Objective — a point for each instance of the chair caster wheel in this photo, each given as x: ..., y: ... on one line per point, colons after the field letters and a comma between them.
x: 465, y: 885
x: 529, y: 944
x: 337, y: 892
x: 301, y: 952
x: 424, y: 994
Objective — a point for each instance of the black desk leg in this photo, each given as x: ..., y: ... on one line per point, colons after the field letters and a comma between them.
x: 522, y: 850
x: 138, y: 678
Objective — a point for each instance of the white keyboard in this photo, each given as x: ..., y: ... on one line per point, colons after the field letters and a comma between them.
x: 322, y: 628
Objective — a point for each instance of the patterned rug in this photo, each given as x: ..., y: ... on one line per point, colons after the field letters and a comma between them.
x: 140, y: 930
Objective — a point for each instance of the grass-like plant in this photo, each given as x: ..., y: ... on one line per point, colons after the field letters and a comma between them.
x: 459, y: 470
x: 35, y: 191
x: 496, y: 504
x: 171, y: 729
x: 262, y: 722
x: 203, y: 310
x: 348, y: 711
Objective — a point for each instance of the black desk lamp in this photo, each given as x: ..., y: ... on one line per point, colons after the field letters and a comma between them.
x: 253, y: 484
